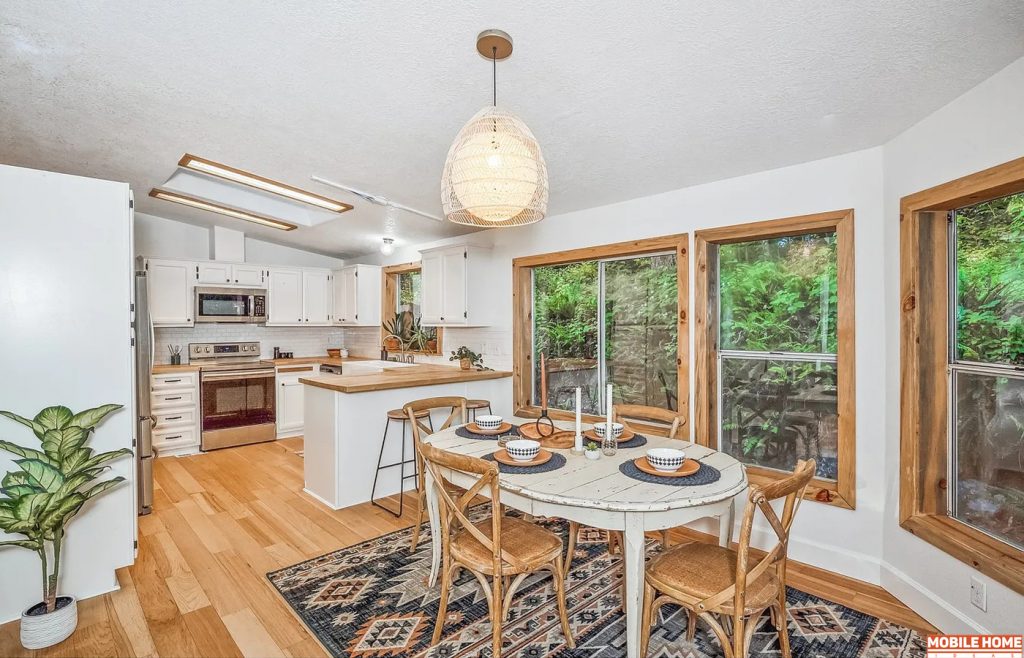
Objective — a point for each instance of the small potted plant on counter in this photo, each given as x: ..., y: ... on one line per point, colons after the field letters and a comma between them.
x: 592, y: 451
x: 42, y: 496
x: 395, y: 328
x: 467, y: 358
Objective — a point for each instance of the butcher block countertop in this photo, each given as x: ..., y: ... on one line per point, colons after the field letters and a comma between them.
x: 421, y: 375
x: 166, y: 368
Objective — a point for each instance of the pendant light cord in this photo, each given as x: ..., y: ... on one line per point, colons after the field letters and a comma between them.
x: 494, y: 73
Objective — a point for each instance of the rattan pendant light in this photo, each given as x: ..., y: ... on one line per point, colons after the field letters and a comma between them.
x: 495, y: 173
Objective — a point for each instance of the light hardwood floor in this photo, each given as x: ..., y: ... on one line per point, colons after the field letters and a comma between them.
x: 222, y: 520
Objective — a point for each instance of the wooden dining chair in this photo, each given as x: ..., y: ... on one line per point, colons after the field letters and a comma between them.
x: 668, y: 421
x: 709, y: 580
x: 455, y: 407
x: 504, y: 548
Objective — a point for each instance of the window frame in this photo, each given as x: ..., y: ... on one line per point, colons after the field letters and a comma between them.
x: 523, y: 324
x: 843, y: 491
x: 389, y: 303
x: 925, y: 353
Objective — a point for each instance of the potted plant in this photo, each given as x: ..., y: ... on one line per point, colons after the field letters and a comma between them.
x: 39, y: 499
x: 467, y: 358
x: 417, y: 336
x: 430, y: 339
x: 592, y: 451
x: 395, y: 329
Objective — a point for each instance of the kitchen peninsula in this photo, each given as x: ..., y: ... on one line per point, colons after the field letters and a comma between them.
x: 345, y: 417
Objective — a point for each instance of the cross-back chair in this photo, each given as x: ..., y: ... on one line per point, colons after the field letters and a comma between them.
x: 455, y: 407
x: 709, y: 580
x: 504, y: 548
x: 623, y: 413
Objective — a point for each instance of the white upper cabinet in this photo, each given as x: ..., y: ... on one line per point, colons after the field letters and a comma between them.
x: 317, y: 297
x: 357, y: 295
x: 455, y: 286
x: 212, y: 273
x: 249, y: 275
x: 170, y: 292
x: 285, y: 297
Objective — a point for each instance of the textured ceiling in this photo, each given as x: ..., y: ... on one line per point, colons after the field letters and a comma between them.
x: 626, y: 98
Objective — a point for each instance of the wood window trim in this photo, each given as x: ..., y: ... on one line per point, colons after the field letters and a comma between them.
x: 843, y: 492
x: 924, y: 329
x: 522, y: 309
x: 389, y: 286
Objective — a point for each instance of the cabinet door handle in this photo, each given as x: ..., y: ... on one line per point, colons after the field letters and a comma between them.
x: 170, y: 438
x: 174, y: 398
x: 171, y: 381
x: 173, y: 418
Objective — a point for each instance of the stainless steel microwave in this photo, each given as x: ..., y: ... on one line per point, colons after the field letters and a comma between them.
x: 231, y: 305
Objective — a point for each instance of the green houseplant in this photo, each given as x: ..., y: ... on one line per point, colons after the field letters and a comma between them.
x: 395, y: 329
x: 39, y: 499
x: 467, y: 358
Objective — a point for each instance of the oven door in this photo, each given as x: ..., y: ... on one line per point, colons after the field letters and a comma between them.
x: 238, y: 408
x: 224, y: 305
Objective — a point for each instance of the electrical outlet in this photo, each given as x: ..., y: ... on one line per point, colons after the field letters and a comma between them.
x: 979, y: 597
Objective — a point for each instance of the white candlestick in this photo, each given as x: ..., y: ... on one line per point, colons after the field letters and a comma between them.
x: 608, y: 411
x: 579, y: 419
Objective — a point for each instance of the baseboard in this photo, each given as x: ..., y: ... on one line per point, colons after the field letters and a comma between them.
x: 313, y: 495
x: 926, y: 603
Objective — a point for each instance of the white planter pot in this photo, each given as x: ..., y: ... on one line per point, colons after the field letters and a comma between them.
x: 592, y: 454
x: 46, y: 630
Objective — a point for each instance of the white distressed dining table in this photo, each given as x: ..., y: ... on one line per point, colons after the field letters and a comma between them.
x: 597, y: 494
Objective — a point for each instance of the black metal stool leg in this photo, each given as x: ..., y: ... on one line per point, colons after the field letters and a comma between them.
x: 380, y: 458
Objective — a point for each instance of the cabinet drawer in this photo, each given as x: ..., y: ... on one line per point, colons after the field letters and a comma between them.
x: 175, y: 380
x: 171, y: 438
x: 179, y: 398
x: 169, y: 419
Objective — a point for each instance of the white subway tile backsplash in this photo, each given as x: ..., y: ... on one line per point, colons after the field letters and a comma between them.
x: 303, y: 341
x: 495, y: 345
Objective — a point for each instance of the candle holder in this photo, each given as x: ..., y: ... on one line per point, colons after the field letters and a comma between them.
x: 609, y: 444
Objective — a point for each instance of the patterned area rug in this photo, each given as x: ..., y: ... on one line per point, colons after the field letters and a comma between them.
x: 372, y: 600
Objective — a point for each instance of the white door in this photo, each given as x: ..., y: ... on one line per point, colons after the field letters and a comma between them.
x: 317, y: 296
x: 249, y: 275
x: 453, y: 293
x: 285, y: 292
x: 289, y: 405
x: 432, y: 283
x: 170, y: 292
x: 214, y: 273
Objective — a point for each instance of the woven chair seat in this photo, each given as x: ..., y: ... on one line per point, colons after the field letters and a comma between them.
x: 523, y: 540
x: 693, y: 572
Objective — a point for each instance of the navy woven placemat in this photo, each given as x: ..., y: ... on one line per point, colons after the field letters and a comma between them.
x: 557, y: 461
x: 466, y: 434
x: 706, y: 475
x: 637, y: 441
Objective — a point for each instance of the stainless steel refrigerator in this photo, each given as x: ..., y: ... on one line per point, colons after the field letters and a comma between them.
x: 142, y: 324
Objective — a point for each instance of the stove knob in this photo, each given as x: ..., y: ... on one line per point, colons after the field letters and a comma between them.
x: 207, y: 349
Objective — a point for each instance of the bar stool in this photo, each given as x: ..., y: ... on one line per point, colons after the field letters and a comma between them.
x: 399, y: 416
x: 472, y: 406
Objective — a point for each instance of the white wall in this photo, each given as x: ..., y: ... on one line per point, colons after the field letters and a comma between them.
x: 158, y: 237
x: 66, y: 289
x: 980, y: 129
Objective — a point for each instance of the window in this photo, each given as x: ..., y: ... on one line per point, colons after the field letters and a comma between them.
x: 600, y: 315
x: 402, y: 330
x: 776, y: 347
x: 987, y: 367
x: 962, y: 369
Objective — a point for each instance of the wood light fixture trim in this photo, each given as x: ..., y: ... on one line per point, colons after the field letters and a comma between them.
x: 389, y: 301
x: 262, y: 183
x: 522, y: 309
x: 924, y: 358
x: 213, y: 206
x: 842, y: 492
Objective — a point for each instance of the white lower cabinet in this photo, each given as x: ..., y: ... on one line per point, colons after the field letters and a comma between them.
x: 174, y: 398
x: 291, y: 398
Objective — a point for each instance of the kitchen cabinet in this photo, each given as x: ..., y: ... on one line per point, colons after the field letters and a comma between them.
x: 174, y: 399
x: 249, y: 275
x: 170, y: 285
x: 455, y: 284
x: 284, y: 306
x: 357, y: 296
x: 212, y: 273
x: 291, y: 398
x: 317, y: 297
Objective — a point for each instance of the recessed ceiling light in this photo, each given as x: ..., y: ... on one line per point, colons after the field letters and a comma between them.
x: 204, y: 204
x: 204, y: 166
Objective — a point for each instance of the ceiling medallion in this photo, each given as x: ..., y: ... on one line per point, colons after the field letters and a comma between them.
x: 495, y: 173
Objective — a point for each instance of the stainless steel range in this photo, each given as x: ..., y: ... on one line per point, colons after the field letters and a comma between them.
x: 237, y: 392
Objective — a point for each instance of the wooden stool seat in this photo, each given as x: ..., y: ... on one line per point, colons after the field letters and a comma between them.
x: 478, y: 404
x: 398, y: 414
x: 525, y: 541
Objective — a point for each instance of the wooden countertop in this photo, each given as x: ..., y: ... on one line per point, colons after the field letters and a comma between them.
x: 424, y: 374
x: 166, y: 368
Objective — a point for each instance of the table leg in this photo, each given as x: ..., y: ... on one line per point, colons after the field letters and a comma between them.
x: 725, y: 524
x: 633, y: 563
x: 435, y: 529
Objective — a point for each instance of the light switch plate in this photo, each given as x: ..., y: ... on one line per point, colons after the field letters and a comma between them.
x: 979, y: 596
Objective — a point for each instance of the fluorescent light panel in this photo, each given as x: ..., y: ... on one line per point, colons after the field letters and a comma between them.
x: 204, y: 204
x: 204, y: 166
